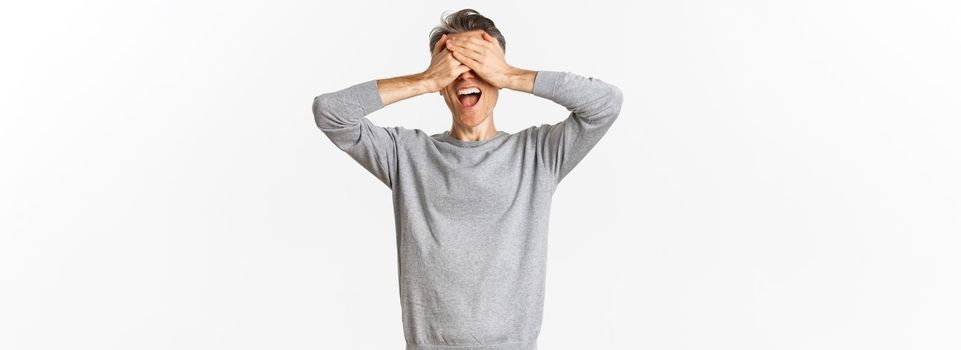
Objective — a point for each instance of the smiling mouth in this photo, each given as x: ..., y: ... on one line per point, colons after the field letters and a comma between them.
x: 468, y: 100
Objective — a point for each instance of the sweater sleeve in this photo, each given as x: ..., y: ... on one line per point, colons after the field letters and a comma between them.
x: 341, y: 115
x: 594, y: 105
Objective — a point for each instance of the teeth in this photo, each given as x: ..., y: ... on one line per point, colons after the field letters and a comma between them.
x: 468, y: 91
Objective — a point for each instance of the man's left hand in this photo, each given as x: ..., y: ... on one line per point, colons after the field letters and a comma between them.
x: 484, y: 56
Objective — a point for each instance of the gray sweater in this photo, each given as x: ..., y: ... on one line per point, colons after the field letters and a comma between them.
x: 471, y: 216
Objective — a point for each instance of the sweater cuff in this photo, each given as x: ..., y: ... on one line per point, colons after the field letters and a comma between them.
x: 367, y: 96
x: 544, y: 83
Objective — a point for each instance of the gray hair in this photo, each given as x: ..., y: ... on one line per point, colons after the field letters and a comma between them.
x: 464, y: 21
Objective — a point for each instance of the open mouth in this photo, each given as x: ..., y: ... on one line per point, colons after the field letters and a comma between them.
x: 469, y: 99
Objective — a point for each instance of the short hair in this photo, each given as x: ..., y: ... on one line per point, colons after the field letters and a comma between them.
x: 464, y: 21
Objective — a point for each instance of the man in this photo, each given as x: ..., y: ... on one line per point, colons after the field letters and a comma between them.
x: 471, y: 204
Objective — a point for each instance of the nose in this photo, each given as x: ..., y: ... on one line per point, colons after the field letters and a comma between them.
x: 467, y: 75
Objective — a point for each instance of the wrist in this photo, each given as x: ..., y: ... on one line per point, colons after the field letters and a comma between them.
x: 425, y: 84
x: 520, y: 79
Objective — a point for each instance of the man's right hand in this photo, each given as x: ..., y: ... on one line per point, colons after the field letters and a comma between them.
x: 444, y: 68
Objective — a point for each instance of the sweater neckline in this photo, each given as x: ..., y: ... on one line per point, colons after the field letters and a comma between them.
x: 445, y: 136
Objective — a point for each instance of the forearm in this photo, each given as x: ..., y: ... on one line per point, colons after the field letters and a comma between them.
x: 521, y: 80
x: 344, y: 108
x: 399, y: 88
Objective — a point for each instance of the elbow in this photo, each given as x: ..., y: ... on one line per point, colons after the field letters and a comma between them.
x: 322, y: 117
x: 604, y: 106
x: 615, y: 102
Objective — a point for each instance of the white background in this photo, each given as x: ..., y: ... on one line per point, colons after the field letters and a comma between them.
x: 783, y: 174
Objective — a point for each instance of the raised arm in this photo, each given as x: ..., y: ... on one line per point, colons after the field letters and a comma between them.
x: 594, y: 105
x: 341, y: 115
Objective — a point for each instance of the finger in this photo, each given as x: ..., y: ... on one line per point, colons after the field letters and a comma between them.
x: 458, y: 67
x: 473, y: 40
x: 440, y: 43
x: 473, y: 44
x: 492, y: 40
x: 473, y: 55
x: 452, y: 60
x: 467, y: 61
x: 471, y: 50
x: 487, y: 37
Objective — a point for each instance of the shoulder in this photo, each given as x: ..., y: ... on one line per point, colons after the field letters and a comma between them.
x: 410, y: 136
x: 533, y: 134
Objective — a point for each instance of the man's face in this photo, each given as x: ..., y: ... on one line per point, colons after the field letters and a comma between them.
x: 471, y: 109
